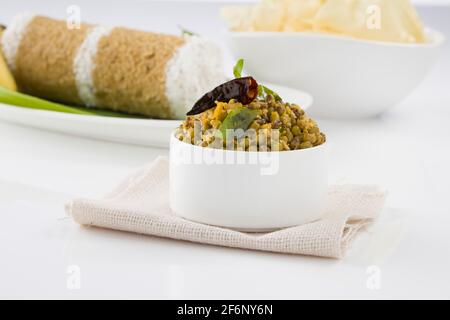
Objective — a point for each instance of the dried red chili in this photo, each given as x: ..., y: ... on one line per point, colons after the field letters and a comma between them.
x: 244, y: 90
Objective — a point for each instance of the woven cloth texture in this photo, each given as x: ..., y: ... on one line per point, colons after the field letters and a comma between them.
x: 140, y: 204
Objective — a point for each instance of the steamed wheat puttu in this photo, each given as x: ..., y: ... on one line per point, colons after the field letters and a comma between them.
x: 119, y: 69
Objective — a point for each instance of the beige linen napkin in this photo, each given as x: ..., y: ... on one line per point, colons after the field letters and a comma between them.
x: 141, y: 204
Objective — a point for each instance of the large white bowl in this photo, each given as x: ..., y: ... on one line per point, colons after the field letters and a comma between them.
x: 249, y: 191
x: 348, y: 78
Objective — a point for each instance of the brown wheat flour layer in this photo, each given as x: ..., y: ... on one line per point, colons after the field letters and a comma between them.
x: 118, y: 69
x: 130, y: 72
x: 44, y: 60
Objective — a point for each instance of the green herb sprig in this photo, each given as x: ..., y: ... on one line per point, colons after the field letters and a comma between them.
x: 238, y: 67
x: 186, y: 32
x: 239, y: 118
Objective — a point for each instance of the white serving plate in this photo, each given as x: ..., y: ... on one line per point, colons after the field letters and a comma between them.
x: 349, y: 78
x: 145, y: 132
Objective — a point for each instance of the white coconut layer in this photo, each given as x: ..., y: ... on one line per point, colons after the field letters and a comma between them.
x: 13, y: 36
x: 195, y: 68
x: 84, y: 64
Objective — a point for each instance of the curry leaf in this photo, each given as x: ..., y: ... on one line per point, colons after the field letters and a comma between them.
x: 186, y: 32
x: 268, y: 91
x: 237, y: 70
x: 239, y: 118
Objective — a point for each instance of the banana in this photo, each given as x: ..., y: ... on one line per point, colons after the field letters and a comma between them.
x: 6, y: 78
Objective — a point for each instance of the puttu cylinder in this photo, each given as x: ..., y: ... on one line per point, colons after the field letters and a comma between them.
x: 119, y: 69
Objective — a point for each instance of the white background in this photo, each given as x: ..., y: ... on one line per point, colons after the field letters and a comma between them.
x: 407, y: 151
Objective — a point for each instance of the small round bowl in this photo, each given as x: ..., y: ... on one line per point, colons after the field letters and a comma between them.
x: 248, y: 191
x: 348, y: 78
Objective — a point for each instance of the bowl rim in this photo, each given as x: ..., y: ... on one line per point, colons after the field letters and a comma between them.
x: 174, y: 139
x: 434, y: 38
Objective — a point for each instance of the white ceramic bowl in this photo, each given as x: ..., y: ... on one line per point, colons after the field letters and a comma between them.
x: 348, y: 78
x: 249, y: 191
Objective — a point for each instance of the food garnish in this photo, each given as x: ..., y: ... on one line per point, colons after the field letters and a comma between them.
x: 239, y: 118
x: 244, y: 90
x: 186, y: 32
x: 237, y: 70
x: 263, y: 91
x: 242, y: 115
x: 241, y: 89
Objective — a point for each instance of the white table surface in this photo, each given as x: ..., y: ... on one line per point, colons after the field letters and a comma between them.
x: 407, y: 151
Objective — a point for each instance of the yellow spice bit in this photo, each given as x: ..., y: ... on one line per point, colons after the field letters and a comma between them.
x: 274, y: 116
